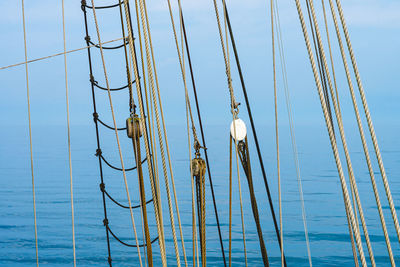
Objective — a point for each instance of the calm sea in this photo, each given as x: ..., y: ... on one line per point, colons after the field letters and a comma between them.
x: 326, y: 221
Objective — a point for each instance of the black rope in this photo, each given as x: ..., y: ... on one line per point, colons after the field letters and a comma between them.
x: 96, y: 118
x: 95, y: 83
x: 204, y: 142
x: 253, y: 128
x: 122, y: 242
x: 99, y: 7
x: 108, y: 47
x: 103, y: 189
x: 99, y: 153
x: 83, y: 7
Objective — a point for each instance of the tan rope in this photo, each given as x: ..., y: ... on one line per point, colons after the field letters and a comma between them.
x: 69, y: 136
x: 116, y: 132
x: 30, y: 132
x: 153, y: 182
x: 230, y: 201
x: 152, y: 76
x: 341, y: 130
x: 369, y: 121
x: 55, y: 55
x: 164, y: 130
x: 291, y: 126
x: 331, y: 134
x: 361, y: 131
x: 277, y: 132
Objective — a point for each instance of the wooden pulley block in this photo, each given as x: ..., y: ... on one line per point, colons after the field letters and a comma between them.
x: 133, y: 126
x: 198, y: 166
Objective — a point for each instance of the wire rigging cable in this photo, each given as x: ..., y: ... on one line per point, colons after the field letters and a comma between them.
x: 30, y: 133
x: 69, y: 136
x: 291, y: 127
x: 276, y: 132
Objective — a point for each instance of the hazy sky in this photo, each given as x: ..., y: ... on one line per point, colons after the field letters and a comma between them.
x: 374, y: 27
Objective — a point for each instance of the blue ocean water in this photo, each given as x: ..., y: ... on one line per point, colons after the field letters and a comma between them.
x: 327, y: 226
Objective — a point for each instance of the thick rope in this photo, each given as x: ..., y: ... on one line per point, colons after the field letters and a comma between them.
x: 291, y: 126
x: 152, y: 76
x: 361, y: 131
x: 277, y: 132
x: 369, y: 121
x: 144, y: 9
x: 331, y: 134
x: 54, y: 55
x: 69, y: 137
x: 30, y: 132
x: 154, y: 182
x: 116, y: 132
x: 340, y: 124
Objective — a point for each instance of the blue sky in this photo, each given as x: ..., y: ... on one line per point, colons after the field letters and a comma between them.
x: 374, y: 27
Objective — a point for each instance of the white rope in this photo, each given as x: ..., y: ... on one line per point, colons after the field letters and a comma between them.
x: 30, y: 133
x: 69, y: 136
x: 116, y: 132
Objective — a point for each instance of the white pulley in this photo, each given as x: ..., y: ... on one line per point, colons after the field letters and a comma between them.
x: 240, y: 128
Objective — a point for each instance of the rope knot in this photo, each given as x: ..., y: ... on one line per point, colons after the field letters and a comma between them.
x: 109, y: 260
x: 95, y: 116
x: 98, y: 152
x: 102, y: 187
x: 87, y: 38
x: 105, y: 222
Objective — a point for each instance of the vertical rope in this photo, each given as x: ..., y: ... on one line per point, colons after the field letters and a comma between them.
x: 69, y: 136
x: 30, y: 133
x: 276, y: 132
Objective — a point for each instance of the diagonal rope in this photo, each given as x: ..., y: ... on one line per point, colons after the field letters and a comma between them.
x: 361, y: 131
x: 369, y: 121
x: 116, y: 132
x: 291, y: 126
x: 30, y: 132
x: 341, y: 130
x: 54, y: 55
x: 69, y: 136
x: 331, y: 134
